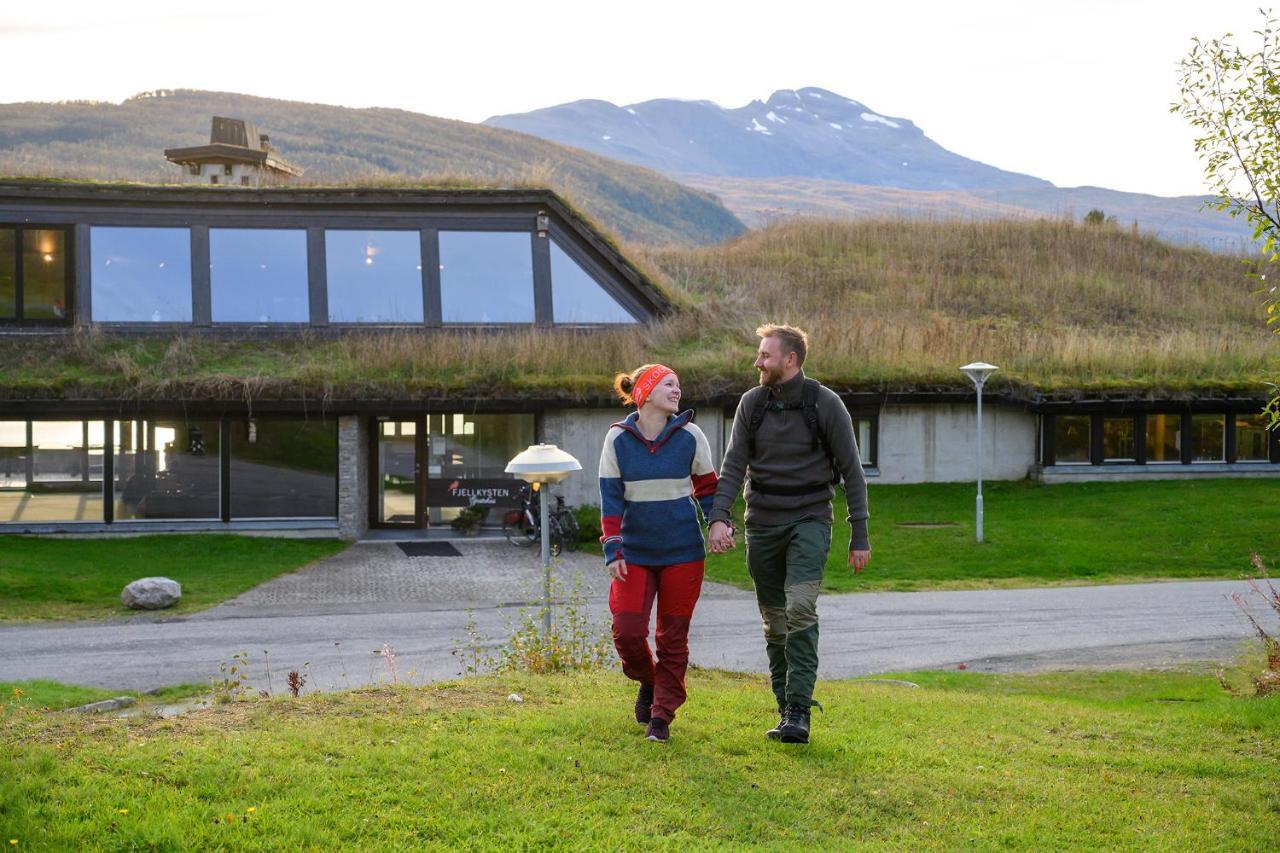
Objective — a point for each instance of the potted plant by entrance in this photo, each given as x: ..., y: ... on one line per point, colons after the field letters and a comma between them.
x: 469, y: 520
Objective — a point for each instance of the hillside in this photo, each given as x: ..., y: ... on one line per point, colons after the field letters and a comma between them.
x: 340, y: 145
x: 1064, y: 309
x: 813, y: 152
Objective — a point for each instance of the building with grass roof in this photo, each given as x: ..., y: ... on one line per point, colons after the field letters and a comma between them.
x: 364, y: 361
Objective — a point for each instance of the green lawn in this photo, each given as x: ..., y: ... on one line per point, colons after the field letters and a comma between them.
x: 41, y: 694
x: 1038, y: 535
x: 1114, y: 760
x: 53, y: 578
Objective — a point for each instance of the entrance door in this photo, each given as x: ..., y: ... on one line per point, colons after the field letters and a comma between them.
x: 397, y: 494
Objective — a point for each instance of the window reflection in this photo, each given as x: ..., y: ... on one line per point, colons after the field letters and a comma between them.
x: 1118, y: 440
x: 140, y: 275
x: 1207, y: 438
x: 1252, y: 438
x: 44, y: 274
x: 1071, y: 439
x: 53, y: 473
x: 166, y: 469
x: 1164, y: 438
x: 374, y: 276
x: 577, y: 297
x: 284, y: 468
x: 486, y: 277
x: 258, y: 275
x: 473, y: 447
x: 8, y: 274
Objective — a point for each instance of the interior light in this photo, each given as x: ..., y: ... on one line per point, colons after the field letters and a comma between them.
x: 48, y: 257
x: 368, y: 261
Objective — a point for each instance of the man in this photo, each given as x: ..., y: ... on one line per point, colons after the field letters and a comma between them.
x: 790, y: 435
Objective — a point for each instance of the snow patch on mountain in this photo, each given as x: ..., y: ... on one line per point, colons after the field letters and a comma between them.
x: 880, y: 119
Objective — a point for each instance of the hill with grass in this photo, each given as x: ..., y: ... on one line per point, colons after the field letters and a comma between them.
x: 1066, y: 310
x: 126, y: 141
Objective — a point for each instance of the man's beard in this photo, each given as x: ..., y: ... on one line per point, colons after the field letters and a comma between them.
x: 770, y: 378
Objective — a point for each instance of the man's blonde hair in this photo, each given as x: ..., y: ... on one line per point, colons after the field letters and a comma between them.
x: 793, y: 339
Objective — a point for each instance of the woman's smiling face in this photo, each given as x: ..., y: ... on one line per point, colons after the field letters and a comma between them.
x: 666, y: 395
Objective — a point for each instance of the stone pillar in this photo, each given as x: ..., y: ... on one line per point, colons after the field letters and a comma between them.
x: 353, y: 477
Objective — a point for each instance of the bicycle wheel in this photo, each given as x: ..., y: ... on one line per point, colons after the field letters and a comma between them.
x: 557, y: 537
x: 519, y: 529
x: 569, y: 529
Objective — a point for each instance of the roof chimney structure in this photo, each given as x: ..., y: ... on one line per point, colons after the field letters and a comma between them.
x: 231, y: 159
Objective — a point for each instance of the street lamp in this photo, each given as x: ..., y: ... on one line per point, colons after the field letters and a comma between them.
x: 544, y: 464
x: 979, y: 371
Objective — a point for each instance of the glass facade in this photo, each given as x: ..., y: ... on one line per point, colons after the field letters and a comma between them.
x: 284, y: 468
x: 577, y: 297
x: 486, y: 276
x: 1253, y: 439
x: 1208, y: 438
x: 374, y: 276
x: 1071, y: 439
x: 1118, y: 443
x: 44, y: 274
x: 140, y: 275
x: 33, y: 274
x: 8, y: 274
x: 167, y: 469
x: 473, y: 447
x: 1164, y: 438
x: 862, y: 431
x: 259, y: 275
x: 51, y: 471
x: 397, y: 472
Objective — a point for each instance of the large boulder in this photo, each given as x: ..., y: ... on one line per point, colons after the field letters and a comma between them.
x: 151, y: 594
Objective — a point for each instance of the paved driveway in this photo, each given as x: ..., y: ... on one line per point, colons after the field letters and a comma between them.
x: 334, y: 617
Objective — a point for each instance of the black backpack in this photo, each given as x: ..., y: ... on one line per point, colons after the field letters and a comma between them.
x: 808, y: 402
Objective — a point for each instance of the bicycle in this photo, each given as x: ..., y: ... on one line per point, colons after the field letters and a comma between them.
x: 523, y: 526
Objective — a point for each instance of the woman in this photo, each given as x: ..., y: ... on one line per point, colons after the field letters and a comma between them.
x: 654, y: 464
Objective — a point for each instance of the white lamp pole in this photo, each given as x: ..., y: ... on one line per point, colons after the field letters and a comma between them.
x: 544, y: 464
x: 978, y: 372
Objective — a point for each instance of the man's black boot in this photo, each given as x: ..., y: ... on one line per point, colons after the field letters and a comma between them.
x: 776, y: 732
x: 795, y: 725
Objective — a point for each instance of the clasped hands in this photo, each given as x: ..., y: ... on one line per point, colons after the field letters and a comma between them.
x: 720, y: 538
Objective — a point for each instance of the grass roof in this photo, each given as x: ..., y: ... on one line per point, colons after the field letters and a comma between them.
x: 890, y: 306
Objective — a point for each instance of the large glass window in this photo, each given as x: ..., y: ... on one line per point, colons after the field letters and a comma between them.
x: 486, y: 277
x: 33, y: 274
x: 374, y: 276
x: 166, y: 469
x: 863, y: 430
x: 472, y: 449
x: 576, y: 297
x: 1252, y: 438
x: 140, y: 275
x: 1118, y: 440
x: 284, y: 468
x: 1208, y: 434
x: 51, y: 471
x: 1071, y: 439
x: 258, y: 275
x: 1164, y: 438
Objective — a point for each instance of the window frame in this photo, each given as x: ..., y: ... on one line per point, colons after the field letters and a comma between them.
x: 68, y: 277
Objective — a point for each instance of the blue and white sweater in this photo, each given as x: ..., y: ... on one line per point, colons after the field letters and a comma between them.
x: 648, y: 489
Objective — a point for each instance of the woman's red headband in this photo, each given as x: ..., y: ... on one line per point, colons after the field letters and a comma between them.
x: 647, y: 382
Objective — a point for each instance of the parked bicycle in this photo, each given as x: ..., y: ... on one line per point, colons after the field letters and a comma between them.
x: 523, y: 526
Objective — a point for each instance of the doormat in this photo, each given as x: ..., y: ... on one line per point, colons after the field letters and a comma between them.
x: 429, y: 549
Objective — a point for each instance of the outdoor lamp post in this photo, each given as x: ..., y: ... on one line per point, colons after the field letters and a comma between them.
x: 544, y: 464
x: 979, y: 371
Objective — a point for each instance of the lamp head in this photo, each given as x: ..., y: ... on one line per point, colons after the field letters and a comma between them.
x: 978, y: 372
x: 542, y: 463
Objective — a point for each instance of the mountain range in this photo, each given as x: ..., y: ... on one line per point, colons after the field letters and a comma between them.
x: 813, y: 151
x: 126, y: 141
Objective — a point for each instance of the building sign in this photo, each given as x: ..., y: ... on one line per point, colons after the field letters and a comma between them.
x: 469, y: 492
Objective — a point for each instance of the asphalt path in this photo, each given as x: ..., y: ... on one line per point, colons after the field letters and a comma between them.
x: 339, y: 644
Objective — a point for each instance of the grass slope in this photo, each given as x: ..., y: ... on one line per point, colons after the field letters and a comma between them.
x: 43, y: 695
x: 1037, y: 535
x: 55, y: 578
x: 1114, y: 760
x: 105, y: 141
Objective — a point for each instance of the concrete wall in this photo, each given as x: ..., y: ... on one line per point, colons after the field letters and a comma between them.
x: 580, y: 432
x: 937, y: 443
x: 353, y: 477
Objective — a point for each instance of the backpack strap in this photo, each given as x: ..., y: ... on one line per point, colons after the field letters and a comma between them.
x: 757, y: 418
x: 809, y: 400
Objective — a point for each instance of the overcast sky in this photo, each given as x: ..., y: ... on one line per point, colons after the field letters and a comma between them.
x: 1074, y: 91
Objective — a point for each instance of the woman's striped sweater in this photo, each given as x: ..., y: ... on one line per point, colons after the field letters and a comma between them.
x: 647, y: 492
